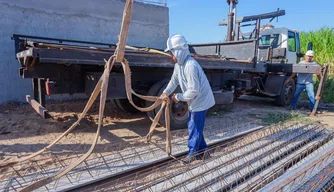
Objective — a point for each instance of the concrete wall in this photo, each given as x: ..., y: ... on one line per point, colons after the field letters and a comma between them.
x: 87, y: 20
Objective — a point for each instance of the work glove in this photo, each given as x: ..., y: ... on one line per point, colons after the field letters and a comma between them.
x: 175, y: 98
x: 163, y: 97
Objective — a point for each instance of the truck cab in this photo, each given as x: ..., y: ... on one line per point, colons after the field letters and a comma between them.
x: 282, y: 43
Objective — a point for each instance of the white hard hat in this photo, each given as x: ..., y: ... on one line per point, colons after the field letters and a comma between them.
x: 309, y: 53
x: 176, y: 42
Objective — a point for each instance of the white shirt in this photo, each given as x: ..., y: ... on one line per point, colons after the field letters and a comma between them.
x: 194, y: 84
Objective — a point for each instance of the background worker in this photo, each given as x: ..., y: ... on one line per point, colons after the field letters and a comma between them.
x: 304, y: 81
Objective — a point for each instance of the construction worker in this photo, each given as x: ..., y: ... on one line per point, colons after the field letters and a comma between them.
x: 196, y: 91
x: 304, y: 81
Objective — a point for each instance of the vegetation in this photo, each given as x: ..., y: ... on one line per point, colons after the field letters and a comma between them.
x: 328, y: 94
x: 279, y: 117
x: 323, y: 46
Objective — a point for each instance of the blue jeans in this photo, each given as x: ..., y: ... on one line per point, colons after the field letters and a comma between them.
x: 196, y: 142
x: 310, y: 92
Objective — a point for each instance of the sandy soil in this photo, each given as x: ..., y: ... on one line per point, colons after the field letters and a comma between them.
x: 23, y: 131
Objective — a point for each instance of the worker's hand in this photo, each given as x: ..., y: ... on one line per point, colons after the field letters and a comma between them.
x: 164, y: 97
x: 287, y: 81
x: 317, y: 98
x: 174, y: 98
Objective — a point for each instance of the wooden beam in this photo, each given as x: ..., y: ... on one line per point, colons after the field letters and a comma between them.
x: 320, y: 89
x: 124, y: 30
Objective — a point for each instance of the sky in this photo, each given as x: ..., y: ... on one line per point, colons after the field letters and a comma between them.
x: 198, y: 20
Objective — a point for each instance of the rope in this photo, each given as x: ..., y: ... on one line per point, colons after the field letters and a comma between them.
x: 93, y: 97
x: 82, y: 115
x: 102, y: 87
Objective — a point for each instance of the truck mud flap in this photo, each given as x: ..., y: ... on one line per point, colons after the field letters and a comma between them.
x: 116, y: 88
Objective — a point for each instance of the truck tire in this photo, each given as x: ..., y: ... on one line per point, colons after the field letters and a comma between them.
x: 287, y: 93
x: 178, y: 112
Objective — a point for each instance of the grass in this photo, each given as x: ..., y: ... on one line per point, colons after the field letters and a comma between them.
x: 275, y: 118
x: 220, y: 110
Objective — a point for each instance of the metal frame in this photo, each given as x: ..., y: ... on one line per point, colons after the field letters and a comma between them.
x: 256, y: 17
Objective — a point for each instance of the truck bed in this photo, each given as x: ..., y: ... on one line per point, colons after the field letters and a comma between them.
x: 41, y: 53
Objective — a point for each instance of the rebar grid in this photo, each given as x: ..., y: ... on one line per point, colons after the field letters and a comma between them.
x: 238, y: 171
x: 329, y: 187
x: 231, y: 163
x: 173, y: 176
x: 282, y: 167
x: 322, y: 181
x: 163, y: 171
x: 314, y: 173
x: 122, y: 158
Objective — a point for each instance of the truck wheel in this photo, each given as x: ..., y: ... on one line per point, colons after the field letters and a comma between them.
x: 178, y: 112
x: 154, y: 91
x: 287, y: 93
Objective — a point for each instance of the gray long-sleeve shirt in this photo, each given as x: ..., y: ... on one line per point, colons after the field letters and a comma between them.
x: 194, y: 85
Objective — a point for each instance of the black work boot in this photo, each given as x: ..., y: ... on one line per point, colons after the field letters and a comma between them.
x: 188, y: 159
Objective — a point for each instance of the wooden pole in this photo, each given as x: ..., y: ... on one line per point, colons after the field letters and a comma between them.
x: 124, y: 30
x: 320, y: 89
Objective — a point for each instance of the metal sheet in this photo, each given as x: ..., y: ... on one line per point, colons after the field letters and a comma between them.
x: 69, y: 57
x: 294, y: 68
x: 240, y: 50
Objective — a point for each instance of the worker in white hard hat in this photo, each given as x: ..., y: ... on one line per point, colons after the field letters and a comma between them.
x: 304, y: 81
x: 196, y: 91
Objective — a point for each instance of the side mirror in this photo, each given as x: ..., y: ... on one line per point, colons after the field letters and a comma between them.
x: 300, y: 54
x: 310, y: 46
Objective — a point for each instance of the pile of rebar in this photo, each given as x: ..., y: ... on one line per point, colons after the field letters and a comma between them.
x: 264, y: 160
x: 121, y: 158
x: 244, y: 157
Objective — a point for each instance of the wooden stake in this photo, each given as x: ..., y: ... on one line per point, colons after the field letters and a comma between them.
x: 124, y: 30
x: 320, y: 89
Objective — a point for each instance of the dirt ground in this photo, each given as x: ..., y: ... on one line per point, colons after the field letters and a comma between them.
x: 23, y: 131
